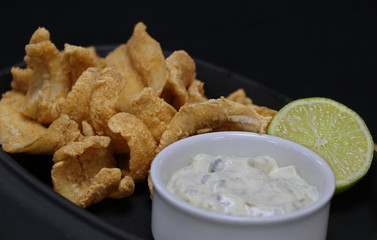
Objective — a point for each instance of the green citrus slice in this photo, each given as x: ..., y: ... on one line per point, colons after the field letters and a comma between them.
x: 335, y: 132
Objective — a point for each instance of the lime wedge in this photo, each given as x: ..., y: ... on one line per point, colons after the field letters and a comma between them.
x: 335, y: 132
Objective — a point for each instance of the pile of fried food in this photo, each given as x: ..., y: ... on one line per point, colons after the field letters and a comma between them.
x: 104, y: 119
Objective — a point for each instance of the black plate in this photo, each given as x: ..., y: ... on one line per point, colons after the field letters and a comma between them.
x: 30, y: 209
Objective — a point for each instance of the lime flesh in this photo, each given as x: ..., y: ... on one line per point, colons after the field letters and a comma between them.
x: 332, y: 130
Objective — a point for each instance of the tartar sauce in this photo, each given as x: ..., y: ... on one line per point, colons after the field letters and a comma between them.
x: 254, y: 186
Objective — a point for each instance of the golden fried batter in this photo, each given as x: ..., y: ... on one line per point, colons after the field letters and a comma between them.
x: 78, y: 59
x: 240, y: 96
x: 16, y: 129
x: 196, y: 92
x: 140, y: 141
x: 77, y: 103
x: 21, y: 79
x: 103, y: 103
x: 212, y: 113
x: 182, y: 72
x: 154, y: 111
x: 20, y: 134
x: 85, y: 172
x: 49, y: 84
x: 142, y: 63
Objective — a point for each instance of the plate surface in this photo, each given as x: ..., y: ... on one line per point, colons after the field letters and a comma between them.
x: 29, y: 208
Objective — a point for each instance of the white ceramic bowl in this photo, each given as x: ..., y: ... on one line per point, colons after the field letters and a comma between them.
x: 174, y: 219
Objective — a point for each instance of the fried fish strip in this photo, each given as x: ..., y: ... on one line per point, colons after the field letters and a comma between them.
x: 21, y: 77
x: 182, y: 72
x: 103, y: 103
x: 154, y: 111
x: 78, y: 59
x: 15, y: 128
x: 210, y: 114
x: 196, y: 92
x: 142, y: 62
x: 49, y: 83
x: 77, y: 103
x: 61, y: 132
x: 140, y: 141
x: 240, y: 96
x: 84, y: 172
x: 23, y: 135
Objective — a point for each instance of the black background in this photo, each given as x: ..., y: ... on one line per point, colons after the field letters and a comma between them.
x: 300, y: 50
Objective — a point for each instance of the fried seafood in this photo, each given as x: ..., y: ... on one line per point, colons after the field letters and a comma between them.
x: 49, y: 84
x: 21, y: 76
x: 211, y: 114
x: 15, y: 128
x: 61, y: 132
x: 104, y: 119
x: 78, y: 59
x: 140, y: 141
x: 142, y: 62
x: 85, y: 172
x: 196, y: 92
x: 240, y: 96
x: 182, y: 73
x: 21, y: 134
x: 154, y: 111
x: 103, y: 103
x: 77, y: 103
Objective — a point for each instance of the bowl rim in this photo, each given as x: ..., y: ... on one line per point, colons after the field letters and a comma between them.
x: 174, y: 201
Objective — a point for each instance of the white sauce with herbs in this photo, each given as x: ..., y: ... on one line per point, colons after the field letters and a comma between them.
x: 230, y: 185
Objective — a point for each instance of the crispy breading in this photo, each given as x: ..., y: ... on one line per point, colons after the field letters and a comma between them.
x: 77, y: 103
x: 21, y: 77
x: 140, y: 141
x: 154, y: 111
x: 49, y: 84
x: 85, y: 172
x: 196, y: 92
x: 104, y: 99
x: 20, y: 134
x: 209, y: 114
x: 15, y: 128
x: 78, y: 59
x: 240, y: 96
x: 182, y: 72
x: 142, y: 63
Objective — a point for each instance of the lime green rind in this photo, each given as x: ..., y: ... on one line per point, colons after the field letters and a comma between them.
x: 341, y: 186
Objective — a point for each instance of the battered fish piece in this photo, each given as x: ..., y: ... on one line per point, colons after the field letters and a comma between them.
x: 78, y: 59
x: 15, y: 128
x: 49, y: 84
x: 153, y: 111
x: 182, y: 72
x: 103, y: 103
x: 140, y: 141
x: 142, y: 63
x: 21, y: 77
x: 196, y: 92
x: 208, y: 115
x: 77, y: 103
x: 85, y: 172
x: 19, y: 134
x: 61, y: 132
x: 240, y: 96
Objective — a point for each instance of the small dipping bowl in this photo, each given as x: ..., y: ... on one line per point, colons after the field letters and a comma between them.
x: 174, y: 219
